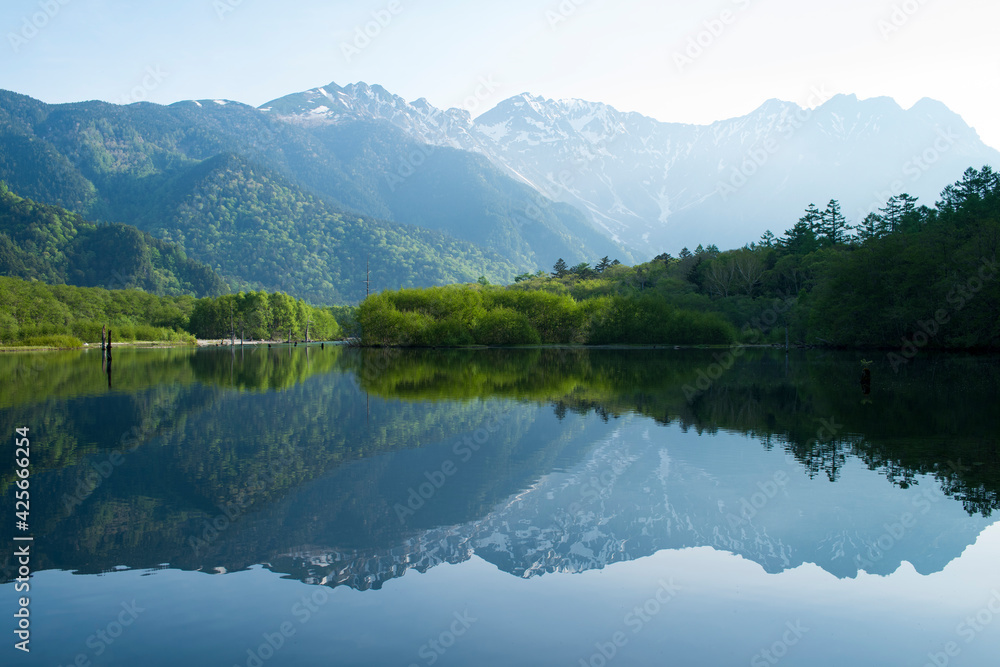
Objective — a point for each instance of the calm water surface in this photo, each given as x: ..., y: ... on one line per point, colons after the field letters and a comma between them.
x: 330, y: 506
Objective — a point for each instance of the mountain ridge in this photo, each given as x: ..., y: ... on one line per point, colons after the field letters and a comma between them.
x: 656, y: 185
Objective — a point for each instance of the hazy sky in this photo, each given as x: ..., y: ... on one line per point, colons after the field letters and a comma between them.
x: 675, y: 61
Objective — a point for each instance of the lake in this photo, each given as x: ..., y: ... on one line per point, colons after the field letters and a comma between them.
x: 307, y: 506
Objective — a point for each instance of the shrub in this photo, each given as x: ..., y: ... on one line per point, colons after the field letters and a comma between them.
x: 449, y: 332
x: 50, y: 340
x: 87, y: 331
x: 505, y: 326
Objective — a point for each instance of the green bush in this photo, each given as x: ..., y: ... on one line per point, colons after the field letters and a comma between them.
x: 505, y: 326
x: 51, y: 340
x: 146, y: 332
x: 87, y: 331
x: 449, y: 332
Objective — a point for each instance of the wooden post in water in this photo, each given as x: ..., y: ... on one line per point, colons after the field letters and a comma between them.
x: 109, y: 357
x: 104, y: 333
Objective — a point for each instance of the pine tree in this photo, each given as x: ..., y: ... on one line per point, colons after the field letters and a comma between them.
x: 833, y: 225
x: 768, y: 240
x: 800, y: 239
x: 892, y: 214
x: 812, y: 219
x: 560, y: 268
x: 871, y: 228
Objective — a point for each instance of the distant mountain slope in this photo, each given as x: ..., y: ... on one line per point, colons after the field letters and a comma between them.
x: 256, y: 226
x: 50, y: 244
x: 465, y: 196
x: 136, y: 164
x: 661, y: 186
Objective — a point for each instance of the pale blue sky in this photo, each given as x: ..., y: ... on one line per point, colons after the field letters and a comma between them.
x: 622, y: 52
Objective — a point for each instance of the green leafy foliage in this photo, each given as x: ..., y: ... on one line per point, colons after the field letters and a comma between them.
x: 31, y: 311
x: 911, y: 277
x: 262, y: 316
x: 228, y: 181
x: 267, y: 234
x: 463, y: 315
x: 48, y: 243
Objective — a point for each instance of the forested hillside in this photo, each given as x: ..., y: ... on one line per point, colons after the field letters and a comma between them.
x: 907, y: 277
x: 265, y: 233
x: 48, y: 243
x: 199, y: 172
x: 33, y: 313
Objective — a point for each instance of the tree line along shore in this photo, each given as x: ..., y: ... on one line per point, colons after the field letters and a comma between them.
x: 904, y: 276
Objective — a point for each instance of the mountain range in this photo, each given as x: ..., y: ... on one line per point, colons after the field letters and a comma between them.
x: 308, y: 192
x: 656, y: 186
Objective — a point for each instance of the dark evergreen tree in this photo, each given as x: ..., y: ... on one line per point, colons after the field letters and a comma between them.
x: 812, y: 219
x: 800, y: 239
x: 833, y: 227
x: 871, y: 228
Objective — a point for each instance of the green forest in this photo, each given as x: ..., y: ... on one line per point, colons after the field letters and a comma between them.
x: 275, y: 206
x: 908, y: 276
x: 35, y: 314
x: 50, y: 244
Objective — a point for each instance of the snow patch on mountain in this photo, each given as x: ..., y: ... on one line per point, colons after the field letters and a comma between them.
x: 659, y: 186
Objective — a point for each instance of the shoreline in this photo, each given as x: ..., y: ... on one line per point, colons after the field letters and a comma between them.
x: 224, y: 342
